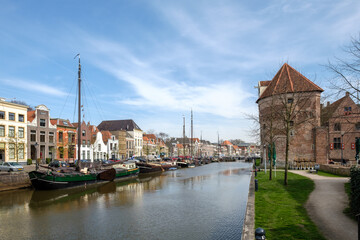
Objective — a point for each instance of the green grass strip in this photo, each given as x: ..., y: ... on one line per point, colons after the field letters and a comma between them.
x: 326, y: 174
x: 280, y: 209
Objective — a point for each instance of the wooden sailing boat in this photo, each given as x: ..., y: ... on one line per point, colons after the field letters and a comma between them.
x: 52, y: 179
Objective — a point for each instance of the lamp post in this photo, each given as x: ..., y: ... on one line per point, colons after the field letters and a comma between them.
x: 36, y: 159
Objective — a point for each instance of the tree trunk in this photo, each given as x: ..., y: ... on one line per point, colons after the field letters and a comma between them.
x: 270, y: 158
x: 286, y: 158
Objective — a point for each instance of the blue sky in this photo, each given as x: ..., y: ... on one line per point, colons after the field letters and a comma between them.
x: 152, y: 61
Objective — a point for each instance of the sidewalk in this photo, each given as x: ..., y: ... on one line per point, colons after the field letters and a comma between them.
x: 326, y: 204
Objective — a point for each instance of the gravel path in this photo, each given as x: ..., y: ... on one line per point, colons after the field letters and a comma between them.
x: 326, y: 204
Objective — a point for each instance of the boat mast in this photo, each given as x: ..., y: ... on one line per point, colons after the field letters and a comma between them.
x: 191, y: 140
x: 184, y: 135
x: 79, y: 114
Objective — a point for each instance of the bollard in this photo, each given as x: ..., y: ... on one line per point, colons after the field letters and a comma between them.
x: 260, y: 234
x: 256, y: 185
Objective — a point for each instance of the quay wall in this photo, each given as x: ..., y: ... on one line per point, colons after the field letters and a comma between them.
x: 335, y: 169
x: 248, y: 232
x: 10, y: 181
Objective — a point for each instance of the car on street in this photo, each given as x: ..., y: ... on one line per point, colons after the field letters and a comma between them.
x: 56, y: 164
x: 11, y: 167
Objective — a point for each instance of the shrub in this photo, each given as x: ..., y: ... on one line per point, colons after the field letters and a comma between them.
x: 355, y: 190
x: 48, y: 160
x: 29, y: 161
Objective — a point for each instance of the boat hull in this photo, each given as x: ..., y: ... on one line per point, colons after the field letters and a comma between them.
x: 149, y: 168
x: 123, y: 174
x: 45, y: 181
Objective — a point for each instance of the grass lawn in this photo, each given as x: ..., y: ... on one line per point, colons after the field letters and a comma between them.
x: 280, y: 210
x: 325, y: 174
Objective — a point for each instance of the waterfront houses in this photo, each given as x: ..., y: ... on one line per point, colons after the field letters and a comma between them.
x: 117, y: 127
x: 85, y: 140
x: 111, y: 145
x: 65, y: 139
x: 13, y: 131
x: 41, y: 134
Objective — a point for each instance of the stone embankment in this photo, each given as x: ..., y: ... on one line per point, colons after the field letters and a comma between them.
x: 14, y: 180
x: 335, y: 169
x: 249, y: 221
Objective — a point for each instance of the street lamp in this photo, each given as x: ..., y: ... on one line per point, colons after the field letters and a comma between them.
x: 37, y: 163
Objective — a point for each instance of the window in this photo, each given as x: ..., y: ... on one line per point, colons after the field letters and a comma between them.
x: 11, y: 131
x: 337, y: 127
x: 83, y: 142
x: 290, y: 100
x: 114, y: 146
x: 72, y: 138
x: 21, y: 118
x: 337, y: 143
x: 83, y: 133
x: 21, y: 132
x: 291, y: 123
x: 99, y: 147
x: 51, y: 137
x: 42, y: 123
x: 11, y: 150
x: 88, y: 154
x: 65, y: 123
x: 61, y: 152
x: 83, y: 155
x: 2, y: 131
x: 33, y: 136
x: 88, y: 142
x: 357, y: 126
x: 111, y: 146
x: 21, y: 151
x: 2, y: 115
x: 61, y: 136
x: 42, y: 136
x: 12, y: 116
x: 71, y: 152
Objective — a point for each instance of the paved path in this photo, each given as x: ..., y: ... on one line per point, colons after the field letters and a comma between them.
x: 326, y: 204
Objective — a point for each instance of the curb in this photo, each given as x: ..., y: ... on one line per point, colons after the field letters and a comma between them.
x: 249, y: 221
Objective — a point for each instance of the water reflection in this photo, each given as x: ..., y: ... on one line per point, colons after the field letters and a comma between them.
x: 205, y: 202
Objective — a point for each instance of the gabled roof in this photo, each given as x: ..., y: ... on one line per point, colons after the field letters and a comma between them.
x: 150, y: 136
x: 328, y: 111
x: 106, y: 135
x: 226, y: 142
x: 116, y: 125
x: 288, y: 80
x: 61, y: 122
x: 30, y: 115
x: 179, y: 145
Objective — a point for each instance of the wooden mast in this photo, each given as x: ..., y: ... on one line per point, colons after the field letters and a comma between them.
x: 184, y: 136
x: 79, y: 115
x: 192, y: 136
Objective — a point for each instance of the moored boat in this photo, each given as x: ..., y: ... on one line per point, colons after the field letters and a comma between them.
x: 149, y: 167
x: 125, y: 170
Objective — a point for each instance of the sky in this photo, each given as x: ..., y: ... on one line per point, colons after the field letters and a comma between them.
x: 153, y: 61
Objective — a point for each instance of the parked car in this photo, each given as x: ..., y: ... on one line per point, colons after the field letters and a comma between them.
x: 56, y: 164
x: 11, y: 167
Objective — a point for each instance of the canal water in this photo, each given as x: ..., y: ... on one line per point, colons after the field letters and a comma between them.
x: 206, y: 202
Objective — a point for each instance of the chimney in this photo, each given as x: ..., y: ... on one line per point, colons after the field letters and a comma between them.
x: 347, y: 94
x: 328, y: 104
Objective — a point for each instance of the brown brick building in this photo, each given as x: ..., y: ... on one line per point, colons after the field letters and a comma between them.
x: 292, y: 95
x: 340, y: 126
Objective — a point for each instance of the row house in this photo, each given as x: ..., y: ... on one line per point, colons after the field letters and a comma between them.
x: 149, y: 145
x: 85, y: 139
x: 111, y: 145
x: 340, y: 127
x: 41, y: 134
x: 130, y: 145
x: 65, y: 139
x: 98, y: 147
x: 119, y: 128
x: 13, y: 131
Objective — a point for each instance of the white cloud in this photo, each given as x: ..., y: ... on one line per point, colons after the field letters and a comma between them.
x: 28, y: 85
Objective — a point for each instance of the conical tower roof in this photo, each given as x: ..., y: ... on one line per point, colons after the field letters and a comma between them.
x: 288, y: 80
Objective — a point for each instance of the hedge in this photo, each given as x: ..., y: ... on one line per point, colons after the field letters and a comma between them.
x: 355, y: 190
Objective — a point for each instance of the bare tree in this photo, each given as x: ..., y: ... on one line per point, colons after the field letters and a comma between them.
x: 346, y: 70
